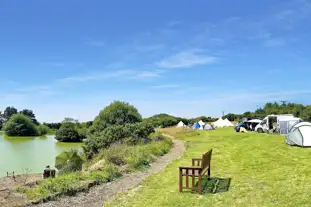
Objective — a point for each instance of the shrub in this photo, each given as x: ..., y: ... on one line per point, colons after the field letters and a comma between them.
x: 82, y: 132
x: 117, y: 113
x: 43, y: 130
x: 67, y: 133
x: 129, y: 133
x: 67, y: 162
x: 20, y: 125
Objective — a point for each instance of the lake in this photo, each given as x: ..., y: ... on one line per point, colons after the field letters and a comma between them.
x: 34, y: 153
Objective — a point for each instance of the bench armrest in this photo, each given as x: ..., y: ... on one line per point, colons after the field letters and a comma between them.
x: 196, y: 161
x: 189, y: 168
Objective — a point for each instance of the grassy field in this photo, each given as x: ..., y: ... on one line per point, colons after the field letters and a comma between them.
x: 264, y: 171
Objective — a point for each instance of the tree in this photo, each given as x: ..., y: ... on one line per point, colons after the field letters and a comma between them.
x: 31, y: 115
x: 43, y: 129
x: 9, y: 112
x: 117, y: 113
x: 68, y: 133
x: 20, y: 125
x: 70, y: 120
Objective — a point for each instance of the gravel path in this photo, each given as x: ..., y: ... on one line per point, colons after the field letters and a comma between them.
x: 98, y: 195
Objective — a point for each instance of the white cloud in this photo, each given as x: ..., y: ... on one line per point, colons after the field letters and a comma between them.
x: 96, y: 43
x: 274, y: 42
x: 165, y: 86
x: 173, y: 23
x: 186, y: 59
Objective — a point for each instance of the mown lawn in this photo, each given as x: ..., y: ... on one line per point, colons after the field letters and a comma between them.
x: 264, y: 171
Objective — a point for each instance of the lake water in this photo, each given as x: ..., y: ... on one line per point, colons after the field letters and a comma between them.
x: 34, y: 153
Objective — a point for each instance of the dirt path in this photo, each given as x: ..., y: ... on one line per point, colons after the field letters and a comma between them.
x: 98, y: 195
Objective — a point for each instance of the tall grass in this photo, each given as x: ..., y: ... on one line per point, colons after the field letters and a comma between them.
x: 134, y: 158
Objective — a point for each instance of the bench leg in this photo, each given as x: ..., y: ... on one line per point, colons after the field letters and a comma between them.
x: 209, y: 173
x: 200, y: 185
x: 180, y: 180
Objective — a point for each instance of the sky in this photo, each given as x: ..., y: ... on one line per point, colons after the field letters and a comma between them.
x: 185, y: 58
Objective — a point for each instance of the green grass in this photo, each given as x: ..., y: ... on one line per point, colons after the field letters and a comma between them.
x: 69, y: 184
x: 136, y: 157
x: 264, y: 171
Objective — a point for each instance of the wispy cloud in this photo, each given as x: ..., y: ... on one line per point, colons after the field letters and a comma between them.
x: 165, y: 86
x: 173, y: 23
x: 278, y: 42
x: 148, y: 74
x: 96, y: 43
x: 187, y: 59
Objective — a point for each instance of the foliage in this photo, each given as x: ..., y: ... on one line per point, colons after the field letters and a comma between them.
x: 70, y: 120
x: 9, y: 112
x: 245, y: 158
x: 298, y: 110
x: 138, y: 133
x: 67, y: 162
x: 53, y: 125
x: 69, y: 184
x: 82, y: 132
x: 43, y: 130
x: 135, y: 157
x: 130, y: 133
x: 117, y: 113
x: 30, y: 115
x: 68, y: 133
x: 20, y: 125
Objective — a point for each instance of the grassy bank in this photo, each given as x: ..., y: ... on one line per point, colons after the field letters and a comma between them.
x: 264, y: 171
x: 108, y: 165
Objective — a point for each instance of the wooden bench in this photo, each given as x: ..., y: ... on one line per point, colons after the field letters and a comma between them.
x: 200, y: 166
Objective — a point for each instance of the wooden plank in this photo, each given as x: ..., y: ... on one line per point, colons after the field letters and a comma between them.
x: 187, y: 180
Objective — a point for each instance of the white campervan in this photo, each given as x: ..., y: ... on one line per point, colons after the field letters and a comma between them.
x: 266, y: 125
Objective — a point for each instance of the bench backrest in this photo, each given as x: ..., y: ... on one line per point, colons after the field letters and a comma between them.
x: 206, y: 160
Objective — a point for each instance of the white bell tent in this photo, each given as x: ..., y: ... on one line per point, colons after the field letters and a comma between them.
x: 201, y: 123
x: 228, y: 123
x: 180, y: 125
x: 219, y: 123
x: 300, y: 135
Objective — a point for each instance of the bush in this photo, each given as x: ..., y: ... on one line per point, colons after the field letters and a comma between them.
x: 20, y: 125
x: 82, y: 132
x: 67, y: 133
x: 117, y: 113
x: 43, y: 130
x: 130, y: 133
x: 138, y: 133
x: 69, y: 161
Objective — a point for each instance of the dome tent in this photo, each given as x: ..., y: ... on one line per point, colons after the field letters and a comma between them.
x: 196, y: 126
x: 208, y: 127
x: 300, y: 135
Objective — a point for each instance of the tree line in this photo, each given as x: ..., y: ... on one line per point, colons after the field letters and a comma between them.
x: 298, y: 110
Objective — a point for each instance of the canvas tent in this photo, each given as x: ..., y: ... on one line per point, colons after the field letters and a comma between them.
x: 196, y: 126
x: 300, y: 135
x: 201, y: 123
x: 180, y: 125
x: 218, y: 123
x: 228, y: 123
x: 222, y: 123
x: 208, y: 127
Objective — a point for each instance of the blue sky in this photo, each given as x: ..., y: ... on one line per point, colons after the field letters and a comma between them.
x: 186, y: 58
